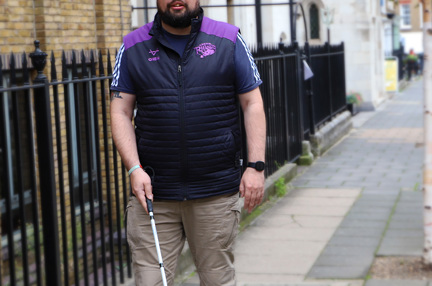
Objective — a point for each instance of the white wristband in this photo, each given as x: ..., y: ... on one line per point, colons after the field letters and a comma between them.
x: 134, y: 168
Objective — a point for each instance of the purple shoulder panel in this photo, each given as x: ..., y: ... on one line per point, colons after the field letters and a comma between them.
x: 138, y: 36
x: 219, y: 29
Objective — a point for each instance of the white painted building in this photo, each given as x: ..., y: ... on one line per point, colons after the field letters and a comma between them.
x: 362, y: 25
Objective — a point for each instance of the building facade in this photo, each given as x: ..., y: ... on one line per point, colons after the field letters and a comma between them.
x: 411, y: 24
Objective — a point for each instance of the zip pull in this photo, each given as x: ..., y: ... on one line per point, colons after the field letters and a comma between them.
x: 179, y: 76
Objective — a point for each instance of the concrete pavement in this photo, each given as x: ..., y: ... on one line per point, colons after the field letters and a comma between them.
x: 360, y: 199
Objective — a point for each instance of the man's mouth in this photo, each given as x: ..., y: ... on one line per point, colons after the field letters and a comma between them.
x: 177, y: 5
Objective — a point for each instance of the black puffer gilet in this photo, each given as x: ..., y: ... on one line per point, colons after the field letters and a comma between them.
x: 187, y: 120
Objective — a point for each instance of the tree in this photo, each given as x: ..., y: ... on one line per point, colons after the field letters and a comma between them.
x: 427, y: 91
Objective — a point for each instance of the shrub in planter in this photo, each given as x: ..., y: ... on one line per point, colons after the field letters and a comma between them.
x: 353, y: 100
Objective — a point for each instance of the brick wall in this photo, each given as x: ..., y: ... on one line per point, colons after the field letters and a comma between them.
x: 63, y: 25
x: 113, y: 21
x: 17, y: 29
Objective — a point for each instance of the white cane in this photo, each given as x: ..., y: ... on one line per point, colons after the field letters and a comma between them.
x: 153, y: 225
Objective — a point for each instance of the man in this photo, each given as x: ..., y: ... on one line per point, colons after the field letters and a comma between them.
x: 186, y: 74
x: 412, y: 64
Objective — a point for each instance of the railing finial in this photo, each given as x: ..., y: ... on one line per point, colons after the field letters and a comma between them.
x: 38, y: 59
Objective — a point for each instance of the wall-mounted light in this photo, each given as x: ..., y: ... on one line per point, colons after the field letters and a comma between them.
x: 327, y: 16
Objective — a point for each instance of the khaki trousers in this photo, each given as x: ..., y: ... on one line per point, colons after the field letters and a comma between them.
x: 210, y: 226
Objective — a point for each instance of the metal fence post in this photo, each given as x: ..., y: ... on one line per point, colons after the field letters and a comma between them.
x: 309, y: 92
x: 258, y: 21
x: 330, y: 78
x: 46, y: 170
x: 292, y: 21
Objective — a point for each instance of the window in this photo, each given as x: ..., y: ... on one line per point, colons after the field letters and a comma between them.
x: 314, y: 22
x: 405, y: 16
x: 14, y: 118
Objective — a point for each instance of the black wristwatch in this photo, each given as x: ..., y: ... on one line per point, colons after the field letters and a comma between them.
x: 258, y: 165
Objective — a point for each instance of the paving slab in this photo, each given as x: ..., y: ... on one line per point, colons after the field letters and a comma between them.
x: 263, y: 278
x: 353, y: 241
x: 403, y: 233
x: 404, y: 236
x: 299, y: 221
x: 383, y: 216
x: 297, y: 234
x: 339, y: 272
x: 350, y: 250
x: 341, y: 260
x: 289, y: 247
x: 374, y: 282
x: 358, y: 232
x: 403, y: 249
x: 409, y: 223
x: 302, y: 284
x: 305, y: 283
x: 323, y: 192
x: 353, y: 222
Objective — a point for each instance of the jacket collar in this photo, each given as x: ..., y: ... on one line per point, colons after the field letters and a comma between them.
x: 156, y: 29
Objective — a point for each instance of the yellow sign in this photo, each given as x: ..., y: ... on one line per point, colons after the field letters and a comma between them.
x: 391, y: 74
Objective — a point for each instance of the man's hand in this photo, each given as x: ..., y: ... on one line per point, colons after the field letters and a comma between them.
x: 141, y: 187
x: 252, y: 188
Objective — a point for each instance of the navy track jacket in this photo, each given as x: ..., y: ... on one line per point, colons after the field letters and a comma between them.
x: 187, y: 120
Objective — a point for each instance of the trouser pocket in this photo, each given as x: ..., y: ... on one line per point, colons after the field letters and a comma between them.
x: 230, y: 222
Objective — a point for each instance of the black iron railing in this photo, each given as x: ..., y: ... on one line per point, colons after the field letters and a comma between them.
x: 280, y: 71
x: 63, y: 188
x: 296, y: 108
x: 328, y: 84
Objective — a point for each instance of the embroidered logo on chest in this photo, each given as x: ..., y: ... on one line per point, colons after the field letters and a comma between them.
x: 205, y: 50
x: 154, y: 58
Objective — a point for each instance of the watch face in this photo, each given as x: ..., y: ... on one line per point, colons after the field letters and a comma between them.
x: 259, y: 166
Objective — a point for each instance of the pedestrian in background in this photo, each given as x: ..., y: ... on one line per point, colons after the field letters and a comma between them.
x: 412, y: 63
x: 186, y: 75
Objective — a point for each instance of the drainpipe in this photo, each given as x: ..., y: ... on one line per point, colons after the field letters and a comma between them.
x: 292, y: 26
x: 258, y: 21
x: 146, y: 13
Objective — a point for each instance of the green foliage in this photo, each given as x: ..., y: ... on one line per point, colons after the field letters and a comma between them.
x: 281, y: 189
x: 279, y: 165
x: 354, y: 98
x: 253, y: 215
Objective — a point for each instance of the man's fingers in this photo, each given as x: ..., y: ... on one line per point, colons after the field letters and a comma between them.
x: 142, y: 187
x: 253, y: 201
x: 142, y: 199
x: 242, y: 189
x: 247, y: 197
x: 148, y: 191
x: 253, y: 197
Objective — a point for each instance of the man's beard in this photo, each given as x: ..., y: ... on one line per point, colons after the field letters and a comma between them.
x: 180, y: 20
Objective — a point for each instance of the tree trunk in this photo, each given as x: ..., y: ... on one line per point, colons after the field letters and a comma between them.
x: 427, y: 91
